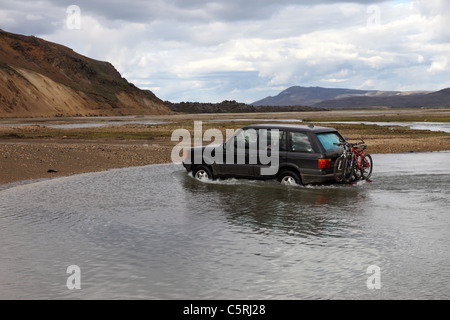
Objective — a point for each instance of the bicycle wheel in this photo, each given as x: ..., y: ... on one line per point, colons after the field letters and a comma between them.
x: 352, y: 174
x: 342, y: 169
x: 357, y: 173
x: 339, y: 169
x: 357, y: 169
x: 366, y: 166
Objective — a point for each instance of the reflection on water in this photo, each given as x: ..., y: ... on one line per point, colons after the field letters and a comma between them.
x: 86, y: 125
x: 272, y: 208
x: 154, y: 232
x: 102, y: 124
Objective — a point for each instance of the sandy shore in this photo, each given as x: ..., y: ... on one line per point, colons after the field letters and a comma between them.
x: 39, y: 152
x: 36, y: 160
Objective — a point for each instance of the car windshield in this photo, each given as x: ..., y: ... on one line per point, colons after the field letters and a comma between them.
x: 328, y: 140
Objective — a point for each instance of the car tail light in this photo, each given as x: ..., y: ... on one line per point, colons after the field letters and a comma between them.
x: 324, y: 163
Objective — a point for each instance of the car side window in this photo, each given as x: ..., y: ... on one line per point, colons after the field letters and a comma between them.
x: 299, y: 142
x: 274, y: 139
x: 282, y: 140
x: 246, y: 138
x: 251, y: 137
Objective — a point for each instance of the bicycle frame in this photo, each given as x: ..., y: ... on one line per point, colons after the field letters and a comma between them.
x: 358, y: 157
x: 353, y: 163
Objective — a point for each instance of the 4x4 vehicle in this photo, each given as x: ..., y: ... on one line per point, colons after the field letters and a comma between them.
x: 292, y: 154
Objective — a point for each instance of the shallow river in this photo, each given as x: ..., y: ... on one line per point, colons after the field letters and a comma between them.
x: 156, y: 233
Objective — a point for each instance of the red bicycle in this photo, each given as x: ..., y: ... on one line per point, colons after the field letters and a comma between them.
x: 353, y: 164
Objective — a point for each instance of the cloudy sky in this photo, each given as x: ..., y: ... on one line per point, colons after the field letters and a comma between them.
x: 245, y: 50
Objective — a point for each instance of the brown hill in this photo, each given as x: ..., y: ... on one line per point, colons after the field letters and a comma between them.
x: 438, y: 99
x: 44, y: 79
x: 349, y: 98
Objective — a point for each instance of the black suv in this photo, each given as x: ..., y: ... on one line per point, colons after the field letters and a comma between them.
x: 292, y: 154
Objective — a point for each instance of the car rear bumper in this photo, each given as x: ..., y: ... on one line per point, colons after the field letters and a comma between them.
x: 317, y: 177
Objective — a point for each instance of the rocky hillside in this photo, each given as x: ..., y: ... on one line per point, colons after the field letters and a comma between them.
x: 43, y: 79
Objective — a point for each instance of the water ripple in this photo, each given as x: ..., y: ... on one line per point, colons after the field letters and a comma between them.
x: 156, y: 233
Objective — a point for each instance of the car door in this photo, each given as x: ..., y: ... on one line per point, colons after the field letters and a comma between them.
x: 239, y: 154
x: 271, y: 152
x: 301, y: 151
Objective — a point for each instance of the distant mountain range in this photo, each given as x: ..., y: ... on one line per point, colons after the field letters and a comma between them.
x: 349, y: 98
x: 44, y: 79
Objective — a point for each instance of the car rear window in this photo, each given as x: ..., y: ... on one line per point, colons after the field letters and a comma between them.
x: 328, y: 140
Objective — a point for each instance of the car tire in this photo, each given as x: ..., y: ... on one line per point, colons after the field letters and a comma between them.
x: 289, y: 178
x: 202, y: 173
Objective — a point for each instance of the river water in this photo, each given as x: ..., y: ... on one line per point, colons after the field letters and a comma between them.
x: 154, y: 232
x: 430, y: 126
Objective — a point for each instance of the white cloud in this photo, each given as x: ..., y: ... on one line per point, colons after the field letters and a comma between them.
x: 246, y: 50
x: 439, y: 64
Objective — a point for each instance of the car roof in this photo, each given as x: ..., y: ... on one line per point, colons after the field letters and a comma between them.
x: 292, y: 127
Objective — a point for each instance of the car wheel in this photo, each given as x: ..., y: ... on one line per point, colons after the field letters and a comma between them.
x: 202, y: 173
x: 289, y: 178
